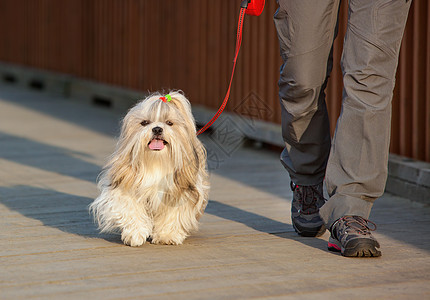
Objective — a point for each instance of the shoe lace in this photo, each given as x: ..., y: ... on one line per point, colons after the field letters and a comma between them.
x: 359, y: 224
x: 304, y: 194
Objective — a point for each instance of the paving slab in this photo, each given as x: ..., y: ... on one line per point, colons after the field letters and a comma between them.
x: 51, y: 151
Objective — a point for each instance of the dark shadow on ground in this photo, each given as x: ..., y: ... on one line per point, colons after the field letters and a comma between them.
x: 261, y: 223
x: 98, y: 119
x: 405, y: 227
x: 68, y: 213
x: 46, y: 157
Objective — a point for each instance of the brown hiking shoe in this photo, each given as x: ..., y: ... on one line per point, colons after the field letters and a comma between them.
x: 351, y: 235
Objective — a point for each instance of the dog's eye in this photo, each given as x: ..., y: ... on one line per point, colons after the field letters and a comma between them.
x: 170, y: 123
x: 144, y: 122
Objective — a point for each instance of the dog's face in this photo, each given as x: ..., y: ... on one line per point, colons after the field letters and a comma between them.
x: 154, y: 130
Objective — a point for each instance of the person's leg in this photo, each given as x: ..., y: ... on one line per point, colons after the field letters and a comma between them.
x: 357, y: 166
x: 306, y: 30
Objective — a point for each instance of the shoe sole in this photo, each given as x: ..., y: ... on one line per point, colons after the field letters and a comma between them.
x: 309, y: 232
x: 356, y: 248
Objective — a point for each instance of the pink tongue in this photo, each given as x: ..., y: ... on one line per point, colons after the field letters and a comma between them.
x: 156, y: 144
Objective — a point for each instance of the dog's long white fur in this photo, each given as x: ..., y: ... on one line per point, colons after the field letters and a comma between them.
x: 145, y: 193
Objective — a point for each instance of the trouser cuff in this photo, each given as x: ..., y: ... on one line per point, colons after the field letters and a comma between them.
x: 339, y: 206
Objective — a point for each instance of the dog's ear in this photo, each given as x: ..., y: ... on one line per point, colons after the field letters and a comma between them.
x: 120, y: 175
x: 188, y: 178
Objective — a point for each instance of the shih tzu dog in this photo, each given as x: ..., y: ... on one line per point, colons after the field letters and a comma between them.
x: 155, y: 185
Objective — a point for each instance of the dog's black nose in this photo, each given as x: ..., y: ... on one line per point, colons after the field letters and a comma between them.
x: 157, y: 130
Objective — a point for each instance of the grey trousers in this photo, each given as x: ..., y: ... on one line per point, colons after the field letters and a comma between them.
x: 354, y: 163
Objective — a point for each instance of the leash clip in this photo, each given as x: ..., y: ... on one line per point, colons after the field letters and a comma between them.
x: 244, y: 3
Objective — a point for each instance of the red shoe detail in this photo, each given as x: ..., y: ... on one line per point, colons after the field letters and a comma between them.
x: 333, y: 247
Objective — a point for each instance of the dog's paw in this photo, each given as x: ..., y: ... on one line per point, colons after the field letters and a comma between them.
x: 168, y: 239
x: 134, y: 238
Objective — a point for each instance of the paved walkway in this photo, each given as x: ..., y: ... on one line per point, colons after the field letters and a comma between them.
x: 51, y: 150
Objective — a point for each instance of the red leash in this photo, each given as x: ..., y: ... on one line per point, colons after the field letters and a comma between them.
x: 250, y: 7
x: 238, y: 43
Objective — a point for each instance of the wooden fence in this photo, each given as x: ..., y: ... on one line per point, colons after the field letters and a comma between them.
x: 189, y: 44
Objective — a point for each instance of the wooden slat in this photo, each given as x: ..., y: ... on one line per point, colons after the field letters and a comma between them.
x: 245, y: 248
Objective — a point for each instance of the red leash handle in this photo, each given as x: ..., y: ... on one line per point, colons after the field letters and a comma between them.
x: 238, y: 43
